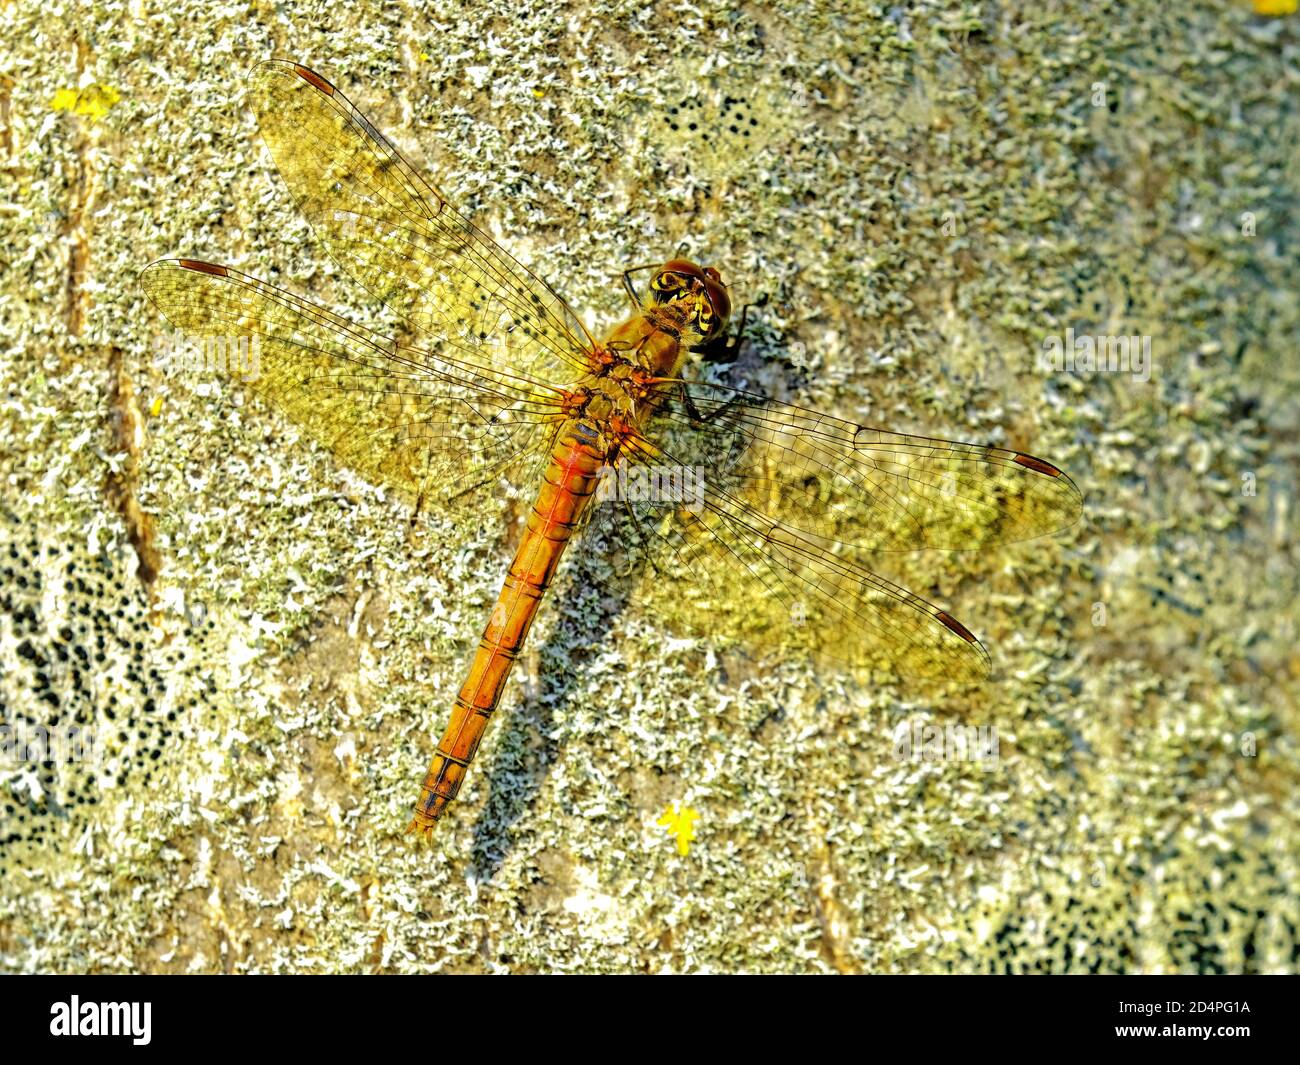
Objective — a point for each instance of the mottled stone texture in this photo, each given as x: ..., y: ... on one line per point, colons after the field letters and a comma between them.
x: 266, y: 647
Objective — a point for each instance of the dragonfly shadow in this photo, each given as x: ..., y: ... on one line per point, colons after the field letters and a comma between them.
x: 525, y: 752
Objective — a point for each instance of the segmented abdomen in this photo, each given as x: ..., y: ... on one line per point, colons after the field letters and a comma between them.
x: 570, y: 482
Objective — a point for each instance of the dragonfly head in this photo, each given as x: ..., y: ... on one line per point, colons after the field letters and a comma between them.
x: 701, y: 288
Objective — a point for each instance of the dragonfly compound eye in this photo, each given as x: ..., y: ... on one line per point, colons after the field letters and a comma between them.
x: 718, y: 300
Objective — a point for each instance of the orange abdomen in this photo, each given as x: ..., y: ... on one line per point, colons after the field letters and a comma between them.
x: 571, y: 478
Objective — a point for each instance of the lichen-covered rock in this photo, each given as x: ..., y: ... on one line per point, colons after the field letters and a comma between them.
x: 264, y: 647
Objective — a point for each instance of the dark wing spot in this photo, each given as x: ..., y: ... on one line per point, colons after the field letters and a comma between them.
x: 314, y: 79
x: 951, y: 622
x: 1037, y: 465
x: 204, y: 268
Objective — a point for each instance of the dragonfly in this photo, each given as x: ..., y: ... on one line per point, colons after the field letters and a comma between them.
x: 754, y: 515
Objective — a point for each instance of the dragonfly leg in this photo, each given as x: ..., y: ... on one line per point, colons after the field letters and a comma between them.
x: 696, y: 415
x: 725, y: 348
x: 627, y: 282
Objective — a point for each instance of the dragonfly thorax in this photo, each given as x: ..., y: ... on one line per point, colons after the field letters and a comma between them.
x: 653, y: 342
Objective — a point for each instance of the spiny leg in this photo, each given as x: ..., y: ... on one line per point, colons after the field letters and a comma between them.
x: 627, y: 282
x: 696, y: 415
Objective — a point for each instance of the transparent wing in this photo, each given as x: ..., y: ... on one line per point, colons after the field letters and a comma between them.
x: 758, y: 515
x: 401, y: 239
x: 720, y: 569
x: 859, y: 486
x: 429, y: 426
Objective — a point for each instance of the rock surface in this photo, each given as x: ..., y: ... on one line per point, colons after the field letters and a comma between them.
x: 265, y: 648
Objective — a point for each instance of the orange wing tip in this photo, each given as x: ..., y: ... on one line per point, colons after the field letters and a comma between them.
x: 952, y: 623
x: 203, y: 268
x: 314, y: 79
x: 1037, y: 465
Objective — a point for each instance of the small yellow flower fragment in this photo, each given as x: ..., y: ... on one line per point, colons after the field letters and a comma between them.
x: 93, y: 101
x: 155, y: 408
x: 1275, y: 7
x: 680, y: 822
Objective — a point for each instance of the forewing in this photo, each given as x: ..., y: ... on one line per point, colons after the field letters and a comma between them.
x: 401, y: 239
x: 429, y: 426
x: 863, y: 487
